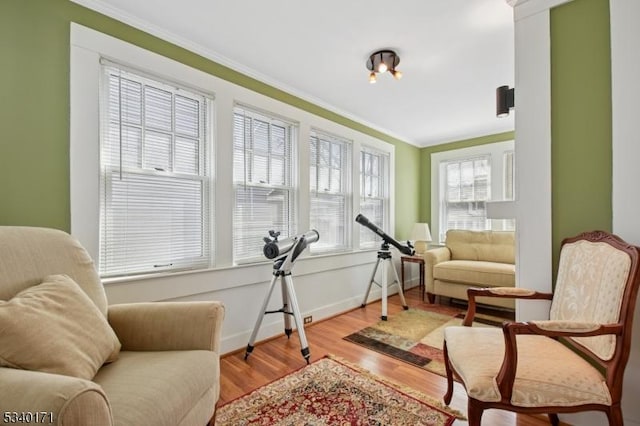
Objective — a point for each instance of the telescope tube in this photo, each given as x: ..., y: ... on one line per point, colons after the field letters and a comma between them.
x: 274, y: 249
x: 362, y: 220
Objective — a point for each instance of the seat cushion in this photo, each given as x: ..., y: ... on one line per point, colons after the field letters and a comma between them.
x: 160, y: 388
x: 548, y: 373
x: 484, y: 274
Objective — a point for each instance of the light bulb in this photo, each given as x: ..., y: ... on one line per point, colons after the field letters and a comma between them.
x: 372, y: 77
x: 382, y: 67
x: 396, y: 74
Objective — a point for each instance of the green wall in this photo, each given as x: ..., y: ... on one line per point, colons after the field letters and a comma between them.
x: 581, y: 148
x: 425, y: 165
x: 34, y: 150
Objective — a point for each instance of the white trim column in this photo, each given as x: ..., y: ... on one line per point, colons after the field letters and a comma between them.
x: 625, y: 91
x: 533, y: 151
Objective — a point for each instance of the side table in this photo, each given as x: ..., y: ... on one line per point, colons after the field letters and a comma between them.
x: 414, y: 259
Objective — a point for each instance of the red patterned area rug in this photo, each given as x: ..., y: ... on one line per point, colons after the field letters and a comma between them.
x: 416, y: 335
x: 331, y: 391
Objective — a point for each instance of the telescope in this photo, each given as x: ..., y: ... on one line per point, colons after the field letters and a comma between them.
x: 285, y: 252
x: 404, y: 249
x: 274, y: 248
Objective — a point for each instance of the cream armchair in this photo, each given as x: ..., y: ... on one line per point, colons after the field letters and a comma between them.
x: 573, y: 362
x: 66, y: 357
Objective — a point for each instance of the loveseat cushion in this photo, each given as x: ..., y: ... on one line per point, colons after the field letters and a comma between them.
x: 490, y: 246
x: 485, y: 274
x: 159, y: 388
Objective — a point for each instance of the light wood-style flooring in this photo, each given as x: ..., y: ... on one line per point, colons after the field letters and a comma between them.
x: 279, y: 356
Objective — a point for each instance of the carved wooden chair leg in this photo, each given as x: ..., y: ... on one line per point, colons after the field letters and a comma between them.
x: 615, y: 415
x: 474, y: 412
x: 447, y: 366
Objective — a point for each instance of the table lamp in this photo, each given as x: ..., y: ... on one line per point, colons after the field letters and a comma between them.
x: 420, y: 235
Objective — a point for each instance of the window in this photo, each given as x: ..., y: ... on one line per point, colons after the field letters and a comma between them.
x: 154, y: 175
x: 330, y: 177
x: 467, y: 191
x: 464, y: 181
x: 374, y: 193
x: 263, y: 181
x: 508, y: 193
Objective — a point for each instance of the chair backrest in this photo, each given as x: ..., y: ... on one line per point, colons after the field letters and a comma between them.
x: 27, y: 255
x: 598, y: 279
x: 490, y: 246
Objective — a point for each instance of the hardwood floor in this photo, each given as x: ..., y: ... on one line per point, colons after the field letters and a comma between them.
x: 277, y: 357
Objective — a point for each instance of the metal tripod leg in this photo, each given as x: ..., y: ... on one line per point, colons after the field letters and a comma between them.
x: 304, y: 346
x: 285, y: 306
x: 400, y: 291
x: 386, y: 259
x: 288, y: 301
x: 261, y: 315
x: 371, y: 282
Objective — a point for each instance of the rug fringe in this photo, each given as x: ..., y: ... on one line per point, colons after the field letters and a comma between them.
x: 403, y: 388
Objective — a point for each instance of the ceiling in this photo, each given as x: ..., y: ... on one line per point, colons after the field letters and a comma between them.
x: 453, y: 55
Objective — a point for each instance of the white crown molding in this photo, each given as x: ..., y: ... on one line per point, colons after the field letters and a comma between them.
x: 526, y: 8
x: 122, y: 16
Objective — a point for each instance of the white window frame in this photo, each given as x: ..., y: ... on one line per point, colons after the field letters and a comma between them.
x: 121, y: 253
x: 370, y: 240
x: 341, y: 191
x: 496, y: 151
x: 89, y: 48
x: 288, y: 186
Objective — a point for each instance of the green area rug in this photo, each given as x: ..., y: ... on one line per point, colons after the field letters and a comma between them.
x: 331, y: 391
x: 415, y: 336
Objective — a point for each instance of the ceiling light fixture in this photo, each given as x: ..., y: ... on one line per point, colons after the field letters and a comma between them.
x: 382, y: 61
x: 505, y: 100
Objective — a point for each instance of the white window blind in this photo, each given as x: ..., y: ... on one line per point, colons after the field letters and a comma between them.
x: 467, y: 189
x: 263, y: 181
x: 155, y: 211
x: 374, y: 193
x: 330, y: 174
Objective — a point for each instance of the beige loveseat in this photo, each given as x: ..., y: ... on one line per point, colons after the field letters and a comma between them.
x: 471, y: 259
x: 66, y: 356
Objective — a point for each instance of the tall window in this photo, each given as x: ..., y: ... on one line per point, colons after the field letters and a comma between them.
x: 464, y: 181
x: 155, y: 191
x: 330, y: 176
x: 374, y: 193
x: 263, y: 181
x: 468, y: 188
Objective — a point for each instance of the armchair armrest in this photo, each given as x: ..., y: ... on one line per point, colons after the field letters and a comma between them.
x: 501, y: 292
x: 158, y: 326
x: 52, y: 398
x: 549, y: 328
x: 432, y: 258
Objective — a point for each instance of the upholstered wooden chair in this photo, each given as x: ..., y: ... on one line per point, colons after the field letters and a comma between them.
x: 573, y: 362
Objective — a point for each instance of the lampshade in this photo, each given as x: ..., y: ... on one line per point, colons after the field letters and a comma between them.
x: 421, y: 235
